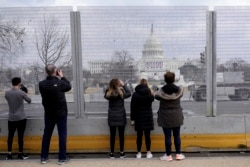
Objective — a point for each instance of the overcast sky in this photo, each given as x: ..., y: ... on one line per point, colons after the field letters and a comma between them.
x: 210, y: 3
x: 182, y: 33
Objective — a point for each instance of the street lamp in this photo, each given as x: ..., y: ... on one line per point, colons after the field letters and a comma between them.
x: 131, y: 72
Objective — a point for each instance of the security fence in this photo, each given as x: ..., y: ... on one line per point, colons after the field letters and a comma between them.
x: 207, y: 50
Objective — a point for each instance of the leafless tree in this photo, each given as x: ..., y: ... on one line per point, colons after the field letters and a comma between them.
x: 123, y: 57
x: 11, y: 37
x: 122, y: 66
x: 11, y: 43
x: 236, y: 64
x: 51, y: 43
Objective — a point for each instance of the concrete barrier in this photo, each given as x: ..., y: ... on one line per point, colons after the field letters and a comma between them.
x: 91, y: 134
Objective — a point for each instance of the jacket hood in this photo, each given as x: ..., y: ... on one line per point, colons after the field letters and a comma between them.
x: 142, y: 89
x: 170, y: 88
x: 172, y: 96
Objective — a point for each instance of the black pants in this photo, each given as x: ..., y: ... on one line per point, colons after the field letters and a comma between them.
x: 112, y: 137
x: 139, y: 139
x: 20, y: 126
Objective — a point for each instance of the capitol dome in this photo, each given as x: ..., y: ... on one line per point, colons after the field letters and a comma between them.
x: 153, y: 47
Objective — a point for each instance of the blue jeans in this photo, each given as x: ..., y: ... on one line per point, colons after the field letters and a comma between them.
x: 50, y: 123
x: 177, y: 139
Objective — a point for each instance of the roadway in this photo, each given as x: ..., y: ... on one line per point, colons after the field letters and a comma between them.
x: 190, y: 108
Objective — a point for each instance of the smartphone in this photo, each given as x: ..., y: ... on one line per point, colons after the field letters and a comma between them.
x: 57, y: 72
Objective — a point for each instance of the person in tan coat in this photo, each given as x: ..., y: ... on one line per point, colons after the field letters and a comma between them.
x: 170, y: 115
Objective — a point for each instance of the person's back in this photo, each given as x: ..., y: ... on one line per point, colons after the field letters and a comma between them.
x: 141, y: 108
x: 17, y: 118
x: 115, y: 94
x: 141, y: 115
x: 53, y: 91
x: 170, y: 116
x: 15, y: 99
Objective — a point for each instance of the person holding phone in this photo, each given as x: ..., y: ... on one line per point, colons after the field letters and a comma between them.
x: 17, y: 118
x: 115, y: 94
x: 53, y: 90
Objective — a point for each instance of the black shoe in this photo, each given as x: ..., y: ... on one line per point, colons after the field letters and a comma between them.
x: 122, y: 155
x: 111, y: 156
x: 22, y: 156
x: 8, y: 157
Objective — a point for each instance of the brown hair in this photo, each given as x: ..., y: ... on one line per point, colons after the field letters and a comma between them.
x: 169, y: 77
x: 145, y: 82
x: 114, y: 85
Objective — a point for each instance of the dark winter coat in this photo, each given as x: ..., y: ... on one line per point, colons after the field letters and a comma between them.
x: 141, y: 108
x: 170, y: 111
x: 53, y: 90
x: 116, y: 110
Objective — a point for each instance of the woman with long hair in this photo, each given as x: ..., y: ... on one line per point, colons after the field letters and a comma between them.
x: 115, y: 94
x: 142, y: 116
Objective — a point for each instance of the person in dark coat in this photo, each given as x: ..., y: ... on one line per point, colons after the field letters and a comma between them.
x: 170, y: 115
x: 142, y: 115
x: 115, y: 94
x: 53, y: 90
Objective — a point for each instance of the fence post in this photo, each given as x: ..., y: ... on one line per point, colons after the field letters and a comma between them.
x: 76, y: 48
x: 210, y: 78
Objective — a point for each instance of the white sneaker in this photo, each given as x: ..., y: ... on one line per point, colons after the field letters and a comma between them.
x: 166, y: 158
x: 138, y: 155
x: 149, y: 155
x: 179, y: 157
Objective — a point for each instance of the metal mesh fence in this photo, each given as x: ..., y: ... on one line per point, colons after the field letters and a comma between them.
x: 30, y: 38
x: 233, y: 68
x: 129, y: 43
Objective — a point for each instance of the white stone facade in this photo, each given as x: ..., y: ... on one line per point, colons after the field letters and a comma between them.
x: 98, y: 66
x: 153, y: 64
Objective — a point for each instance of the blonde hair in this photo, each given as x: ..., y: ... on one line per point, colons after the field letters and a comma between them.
x: 145, y: 82
x: 114, y: 86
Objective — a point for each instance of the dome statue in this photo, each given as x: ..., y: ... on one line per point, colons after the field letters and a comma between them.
x: 153, y: 47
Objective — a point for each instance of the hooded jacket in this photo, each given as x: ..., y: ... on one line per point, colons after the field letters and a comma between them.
x: 170, y: 111
x: 116, y: 110
x: 141, y: 108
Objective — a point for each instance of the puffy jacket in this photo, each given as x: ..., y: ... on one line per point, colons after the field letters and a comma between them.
x: 116, y: 109
x: 141, y: 108
x: 53, y: 90
x: 170, y: 111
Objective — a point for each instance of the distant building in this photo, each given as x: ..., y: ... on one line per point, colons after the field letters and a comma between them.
x: 153, y: 64
x: 98, y: 66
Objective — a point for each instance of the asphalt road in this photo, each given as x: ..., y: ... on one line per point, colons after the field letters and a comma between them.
x: 190, y: 108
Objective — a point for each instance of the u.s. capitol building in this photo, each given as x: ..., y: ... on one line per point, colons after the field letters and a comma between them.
x: 153, y: 63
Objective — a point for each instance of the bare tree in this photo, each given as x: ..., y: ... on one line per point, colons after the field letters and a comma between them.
x: 123, y: 57
x: 11, y: 38
x: 235, y: 64
x: 51, y: 43
x: 122, y: 66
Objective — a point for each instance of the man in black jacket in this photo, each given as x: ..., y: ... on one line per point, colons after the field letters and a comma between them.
x: 53, y: 90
